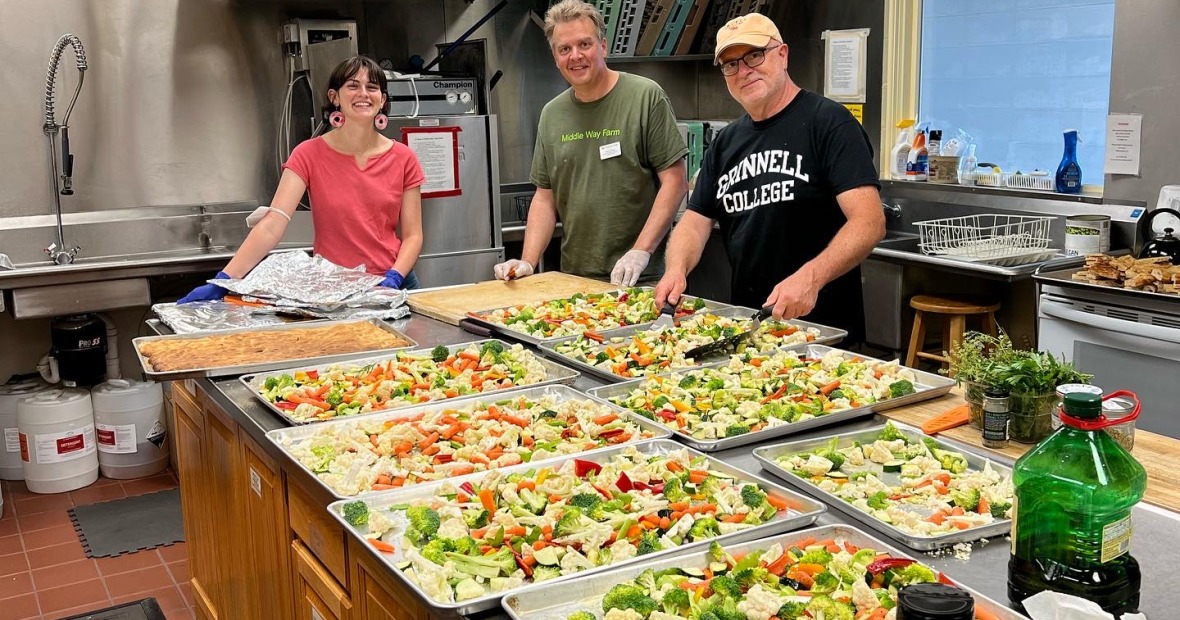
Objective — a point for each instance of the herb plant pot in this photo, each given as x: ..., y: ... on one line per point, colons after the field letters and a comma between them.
x: 973, y: 394
x: 1031, y: 416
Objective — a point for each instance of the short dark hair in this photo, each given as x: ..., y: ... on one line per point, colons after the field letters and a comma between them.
x: 348, y: 69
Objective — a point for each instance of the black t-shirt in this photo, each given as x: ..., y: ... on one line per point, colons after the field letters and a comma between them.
x: 772, y: 187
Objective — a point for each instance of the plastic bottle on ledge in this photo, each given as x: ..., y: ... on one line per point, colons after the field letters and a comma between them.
x: 1071, y: 519
x: 901, y: 151
x: 970, y: 163
x: 918, y: 161
x: 1069, y: 173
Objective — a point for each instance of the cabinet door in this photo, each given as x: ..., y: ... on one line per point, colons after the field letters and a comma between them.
x: 222, y: 465
x: 378, y: 595
x: 317, y: 595
x: 188, y: 424
x: 265, y: 508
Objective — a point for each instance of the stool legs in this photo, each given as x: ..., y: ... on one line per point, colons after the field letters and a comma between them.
x: 917, y: 338
x: 990, y: 327
x: 956, y: 327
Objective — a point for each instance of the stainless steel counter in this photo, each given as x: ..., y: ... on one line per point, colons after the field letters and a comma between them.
x: 1154, y: 543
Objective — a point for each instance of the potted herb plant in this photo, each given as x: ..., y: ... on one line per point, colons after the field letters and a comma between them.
x: 972, y: 364
x: 1031, y: 378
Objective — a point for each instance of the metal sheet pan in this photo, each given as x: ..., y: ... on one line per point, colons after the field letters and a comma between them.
x: 808, y: 511
x: 927, y: 386
x: 556, y: 373
x: 768, y: 456
x: 477, y: 318
x: 222, y: 371
x: 1063, y: 278
x: 827, y: 335
x: 562, y: 599
x: 282, y: 437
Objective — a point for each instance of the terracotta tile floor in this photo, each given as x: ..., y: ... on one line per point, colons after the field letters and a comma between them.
x: 44, y: 572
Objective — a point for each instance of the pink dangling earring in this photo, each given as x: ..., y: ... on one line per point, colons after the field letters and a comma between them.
x: 336, y: 119
x: 380, y: 121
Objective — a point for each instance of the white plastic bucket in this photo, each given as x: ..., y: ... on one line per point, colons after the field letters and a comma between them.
x: 10, y: 394
x: 129, y: 423
x: 59, y: 451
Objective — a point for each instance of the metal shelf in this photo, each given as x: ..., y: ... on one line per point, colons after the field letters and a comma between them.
x: 684, y: 58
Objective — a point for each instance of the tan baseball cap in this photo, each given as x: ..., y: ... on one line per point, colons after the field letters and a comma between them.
x: 754, y: 29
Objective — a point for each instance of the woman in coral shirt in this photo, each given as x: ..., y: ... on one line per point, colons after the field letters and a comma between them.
x: 364, y: 188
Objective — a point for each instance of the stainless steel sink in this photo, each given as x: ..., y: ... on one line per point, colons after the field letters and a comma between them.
x: 901, y: 242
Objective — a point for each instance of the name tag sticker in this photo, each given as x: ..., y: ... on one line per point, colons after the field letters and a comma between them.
x: 607, y: 151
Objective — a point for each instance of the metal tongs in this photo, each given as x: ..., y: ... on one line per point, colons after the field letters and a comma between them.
x: 731, y: 342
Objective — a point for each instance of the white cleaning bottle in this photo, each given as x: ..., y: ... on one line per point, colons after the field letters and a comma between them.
x: 918, y: 160
x: 901, y: 151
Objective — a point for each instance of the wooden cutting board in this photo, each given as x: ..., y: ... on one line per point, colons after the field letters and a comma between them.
x: 451, y: 304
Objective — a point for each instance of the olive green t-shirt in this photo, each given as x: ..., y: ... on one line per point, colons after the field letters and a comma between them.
x: 601, y: 160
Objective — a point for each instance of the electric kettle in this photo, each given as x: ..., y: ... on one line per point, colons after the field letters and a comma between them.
x: 1159, y: 235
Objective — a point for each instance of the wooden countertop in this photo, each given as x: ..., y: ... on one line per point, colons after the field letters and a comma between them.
x: 1157, y: 453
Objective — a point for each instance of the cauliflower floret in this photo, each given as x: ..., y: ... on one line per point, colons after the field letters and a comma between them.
x: 879, y: 452
x: 760, y: 604
x: 863, y: 597
x: 429, y: 576
x: 573, y: 561
x: 817, y: 465
x: 452, y: 528
x: 623, y: 614
x: 622, y: 550
x: 892, y: 615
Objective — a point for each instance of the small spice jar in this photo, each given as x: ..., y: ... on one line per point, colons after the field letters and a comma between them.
x: 996, y: 417
x: 1114, y: 409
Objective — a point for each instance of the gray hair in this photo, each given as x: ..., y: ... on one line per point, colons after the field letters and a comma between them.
x: 569, y: 11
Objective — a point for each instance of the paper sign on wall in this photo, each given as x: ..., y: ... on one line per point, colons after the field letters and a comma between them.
x: 858, y: 111
x: 437, y: 149
x: 1124, y: 133
x: 844, y: 64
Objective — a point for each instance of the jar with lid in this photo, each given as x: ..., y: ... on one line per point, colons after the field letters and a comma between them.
x: 995, y: 418
x: 1123, y: 431
x: 934, y: 601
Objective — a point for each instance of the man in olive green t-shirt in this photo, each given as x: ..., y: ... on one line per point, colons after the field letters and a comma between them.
x: 608, y: 160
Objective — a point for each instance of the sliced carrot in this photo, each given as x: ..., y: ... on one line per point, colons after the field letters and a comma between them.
x: 430, y: 439
x: 806, y: 542
x: 469, y: 355
x: 851, y: 548
x: 678, y: 506
x: 829, y: 388
x: 833, y: 548
x: 431, y: 450
x: 517, y: 530
x: 634, y: 532
x: 462, y: 498
x: 488, y: 500
x: 734, y: 518
x: 778, y: 502
x: 665, y: 523
x: 526, y: 484
x: 383, y: 479
x: 381, y: 487
x: 518, y: 421
x: 957, y: 511
x: 779, y: 565
x: 984, y: 506
x: 697, y: 476
x: 605, y: 419
x: 673, y: 466
x: 381, y: 545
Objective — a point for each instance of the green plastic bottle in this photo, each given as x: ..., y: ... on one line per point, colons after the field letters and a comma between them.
x: 1071, y: 522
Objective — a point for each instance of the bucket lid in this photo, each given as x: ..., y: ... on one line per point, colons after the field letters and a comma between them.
x: 55, y: 397
x: 934, y: 601
x: 123, y: 387
x: 23, y: 387
x: 125, y: 394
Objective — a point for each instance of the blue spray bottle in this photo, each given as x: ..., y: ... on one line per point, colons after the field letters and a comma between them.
x: 1069, y: 173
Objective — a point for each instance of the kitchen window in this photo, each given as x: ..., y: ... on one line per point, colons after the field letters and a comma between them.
x: 1012, y: 74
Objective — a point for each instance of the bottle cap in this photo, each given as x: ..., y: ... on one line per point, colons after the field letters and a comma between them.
x: 1083, y: 406
x: 992, y: 391
x: 934, y: 601
x: 935, y: 134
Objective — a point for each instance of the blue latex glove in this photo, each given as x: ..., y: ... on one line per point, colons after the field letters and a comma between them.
x: 393, y: 279
x: 207, y: 292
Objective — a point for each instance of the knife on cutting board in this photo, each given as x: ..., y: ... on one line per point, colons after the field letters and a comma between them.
x: 731, y: 342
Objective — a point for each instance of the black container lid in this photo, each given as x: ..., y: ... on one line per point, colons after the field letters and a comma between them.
x: 1083, y: 406
x: 934, y: 601
x: 993, y: 391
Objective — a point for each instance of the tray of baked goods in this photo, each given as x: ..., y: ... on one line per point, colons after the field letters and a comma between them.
x: 239, y: 351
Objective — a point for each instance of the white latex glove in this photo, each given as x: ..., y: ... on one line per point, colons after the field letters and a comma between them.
x: 629, y: 267
x: 512, y: 270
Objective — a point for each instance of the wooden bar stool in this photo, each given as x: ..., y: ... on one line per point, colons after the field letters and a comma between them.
x: 956, y: 312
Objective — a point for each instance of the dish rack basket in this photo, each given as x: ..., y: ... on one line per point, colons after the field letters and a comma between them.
x: 985, y: 237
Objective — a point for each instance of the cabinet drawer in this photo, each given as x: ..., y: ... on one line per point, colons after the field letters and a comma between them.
x: 318, y: 531
x: 317, y: 591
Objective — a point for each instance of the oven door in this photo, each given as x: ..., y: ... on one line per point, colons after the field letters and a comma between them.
x: 1123, y: 349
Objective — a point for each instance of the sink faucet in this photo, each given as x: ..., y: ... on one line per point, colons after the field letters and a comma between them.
x: 58, y: 251
x: 204, y: 238
x: 891, y: 210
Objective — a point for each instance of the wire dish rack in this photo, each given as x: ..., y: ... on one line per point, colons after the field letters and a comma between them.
x: 991, y: 238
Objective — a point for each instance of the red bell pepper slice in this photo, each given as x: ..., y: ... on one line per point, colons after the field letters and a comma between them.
x: 581, y: 468
x: 467, y: 488
x: 313, y: 374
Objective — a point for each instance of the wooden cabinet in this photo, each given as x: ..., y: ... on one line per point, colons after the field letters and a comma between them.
x: 222, y: 466
x: 377, y: 594
x: 264, y: 506
x: 189, y: 430
x: 317, y: 595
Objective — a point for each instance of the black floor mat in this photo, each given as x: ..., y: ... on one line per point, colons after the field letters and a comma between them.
x: 108, y: 529
x: 147, y: 609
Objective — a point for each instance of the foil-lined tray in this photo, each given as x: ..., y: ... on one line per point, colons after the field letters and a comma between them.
x: 297, y: 277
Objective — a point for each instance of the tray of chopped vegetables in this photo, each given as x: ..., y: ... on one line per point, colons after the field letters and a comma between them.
x: 436, y: 441
x: 833, y: 572
x: 463, y: 543
x: 918, y: 490
x: 757, y: 396
x: 570, y: 316
x: 629, y: 352
x: 373, y: 384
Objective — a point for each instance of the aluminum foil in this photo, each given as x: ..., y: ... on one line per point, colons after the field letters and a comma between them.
x: 296, y: 277
x: 203, y: 316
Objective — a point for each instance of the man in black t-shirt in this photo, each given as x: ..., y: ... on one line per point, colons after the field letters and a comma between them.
x: 793, y: 187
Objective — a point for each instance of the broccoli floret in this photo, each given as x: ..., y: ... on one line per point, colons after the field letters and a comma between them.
x: 900, y: 388
x: 424, y: 522
x: 649, y: 542
x: 710, y: 486
x: 701, y: 529
x: 953, y: 462
x: 586, y: 501
x: 689, y: 381
x: 440, y: 353
x: 605, y: 510
x: 534, y: 501
x: 581, y: 615
x: 753, y: 496
x: 601, y: 357
x: 890, y: 433
x: 676, y: 601
x: 819, y: 556
x: 726, y: 586
x: 748, y: 577
x: 967, y: 499
x: 912, y: 573
x: 569, y: 523
x: 736, y: 429
x: 830, y: 453
x: 487, y: 566
x: 837, y: 393
x: 494, y: 347
x: 716, y: 552
x: 335, y: 398
x: 822, y: 606
x: 1000, y: 509
x: 659, y: 402
x: 476, y: 518
x: 791, y: 611
x: 674, y: 490
x: 436, y: 550
x: 825, y: 583
x: 356, y: 513
x: 629, y: 596
x: 715, y: 384
x: 545, y: 573
x: 467, y: 546
x: 878, y: 500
